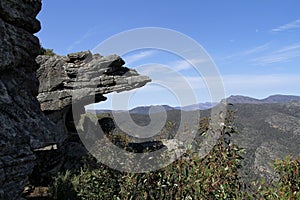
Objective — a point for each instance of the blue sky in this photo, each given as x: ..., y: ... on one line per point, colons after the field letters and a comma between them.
x: 254, y: 44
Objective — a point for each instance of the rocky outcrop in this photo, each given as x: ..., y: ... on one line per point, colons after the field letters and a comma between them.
x: 85, y: 75
x: 77, y: 79
x: 23, y: 126
x: 80, y: 78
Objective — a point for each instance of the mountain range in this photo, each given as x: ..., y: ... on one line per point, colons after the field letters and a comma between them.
x: 234, y: 99
x: 271, y: 99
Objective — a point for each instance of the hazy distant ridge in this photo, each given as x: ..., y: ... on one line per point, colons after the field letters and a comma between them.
x: 234, y: 99
x: 271, y: 99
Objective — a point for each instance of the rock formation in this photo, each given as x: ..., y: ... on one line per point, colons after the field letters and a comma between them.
x: 25, y: 131
x: 76, y: 79
x: 81, y: 78
x: 23, y: 126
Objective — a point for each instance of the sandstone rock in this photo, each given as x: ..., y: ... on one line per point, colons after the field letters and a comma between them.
x: 83, y: 76
x: 76, y: 79
x: 21, y: 14
x: 25, y: 131
x: 80, y: 78
x: 23, y: 126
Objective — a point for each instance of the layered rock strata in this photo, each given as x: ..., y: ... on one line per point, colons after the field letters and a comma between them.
x: 80, y: 79
x: 25, y: 130
x: 23, y: 126
x: 75, y: 80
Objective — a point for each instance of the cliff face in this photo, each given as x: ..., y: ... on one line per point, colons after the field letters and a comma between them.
x: 23, y: 126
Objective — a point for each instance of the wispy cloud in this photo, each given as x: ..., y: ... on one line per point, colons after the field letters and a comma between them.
x: 291, y: 25
x: 181, y: 65
x: 266, y: 54
x: 284, y: 54
x: 251, y: 51
x: 88, y: 34
x: 289, y: 48
x: 176, y: 65
x: 257, y: 49
x: 138, y: 56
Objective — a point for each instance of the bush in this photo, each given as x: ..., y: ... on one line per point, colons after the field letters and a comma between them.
x: 216, y: 176
x: 213, y: 177
x: 48, y: 52
x: 288, y: 184
x: 62, y: 187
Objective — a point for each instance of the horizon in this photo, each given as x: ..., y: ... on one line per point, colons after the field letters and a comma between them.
x: 255, y: 45
x: 94, y: 107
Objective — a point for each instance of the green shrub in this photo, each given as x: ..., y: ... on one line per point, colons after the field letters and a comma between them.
x: 216, y: 176
x: 62, y: 187
x: 288, y: 184
x: 212, y: 177
x: 48, y: 52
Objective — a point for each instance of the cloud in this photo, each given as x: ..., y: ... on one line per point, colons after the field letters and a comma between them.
x: 138, y: 56
x: 257, y: 49
x: 289, y: 48
x: 152, y: 69
x: 181, y: 65
x: 284, y: 54
x: 292, y: 25
x: 251, y: 51
x: 264, y: 54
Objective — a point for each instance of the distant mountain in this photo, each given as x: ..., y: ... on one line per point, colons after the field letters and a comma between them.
x: 157, y: 108
x: 154, y: 109
x: 199, y: 106
x: 236, y: 99
x: 281, y: 99
x: 97, y: 111
x: 144, y: 110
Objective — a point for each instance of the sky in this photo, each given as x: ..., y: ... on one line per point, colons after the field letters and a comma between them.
x: 253, y: 45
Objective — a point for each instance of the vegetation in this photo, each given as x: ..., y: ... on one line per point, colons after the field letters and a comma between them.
x: 48, y: 52
x: 288, y: 184
x: 216, y: 176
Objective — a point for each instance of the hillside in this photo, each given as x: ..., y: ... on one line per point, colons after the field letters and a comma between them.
x: 266, y: 131
x: 271, y: 99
